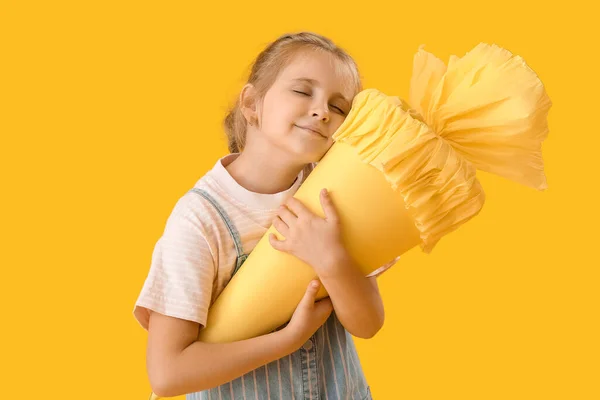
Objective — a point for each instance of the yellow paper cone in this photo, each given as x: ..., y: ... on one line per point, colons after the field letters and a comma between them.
x: 268, y: 274
x: 402, y: 177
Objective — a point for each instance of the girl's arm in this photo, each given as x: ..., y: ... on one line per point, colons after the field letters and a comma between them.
x: 178, y: 363
x: 318, y: 242
x: 356, y: 298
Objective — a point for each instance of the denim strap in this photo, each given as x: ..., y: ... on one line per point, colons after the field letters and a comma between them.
x: 241, y: 257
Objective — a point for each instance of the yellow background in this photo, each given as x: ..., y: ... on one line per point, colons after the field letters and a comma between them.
x: 110, y: 111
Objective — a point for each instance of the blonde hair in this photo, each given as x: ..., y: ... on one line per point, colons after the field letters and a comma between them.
x: 267, y: 66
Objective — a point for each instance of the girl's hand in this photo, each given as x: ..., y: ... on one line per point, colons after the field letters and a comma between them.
x: 309, y: 315
x: 314, y: 240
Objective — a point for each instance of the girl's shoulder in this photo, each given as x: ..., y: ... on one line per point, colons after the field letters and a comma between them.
x: 196, y: 208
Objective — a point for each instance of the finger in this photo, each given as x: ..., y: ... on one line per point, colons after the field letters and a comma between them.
x: 297, y: 207
x: 311, y: 292
x: 276, y: 243
x: 329, y: 209
x: 281, y: 226
x: 287, y: 216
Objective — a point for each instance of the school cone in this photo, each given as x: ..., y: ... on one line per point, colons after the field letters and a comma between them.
x: 402, y: 177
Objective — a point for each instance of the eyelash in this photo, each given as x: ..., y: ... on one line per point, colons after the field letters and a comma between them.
x: 306, y: 94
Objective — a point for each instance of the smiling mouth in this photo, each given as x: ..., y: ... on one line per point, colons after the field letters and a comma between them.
x: 312, y: 131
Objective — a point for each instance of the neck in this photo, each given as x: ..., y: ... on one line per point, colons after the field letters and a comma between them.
x: 264, y: 170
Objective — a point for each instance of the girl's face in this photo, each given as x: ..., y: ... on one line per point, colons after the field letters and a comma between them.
x: 306, y: 105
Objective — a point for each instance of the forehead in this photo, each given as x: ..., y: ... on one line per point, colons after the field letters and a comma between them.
x: 323, y: 68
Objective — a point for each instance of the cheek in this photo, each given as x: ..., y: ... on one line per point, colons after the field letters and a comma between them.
x: 280, y: 112
x: 336, y: 122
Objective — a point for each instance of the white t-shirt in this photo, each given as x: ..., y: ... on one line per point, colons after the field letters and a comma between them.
x: 195, y: 257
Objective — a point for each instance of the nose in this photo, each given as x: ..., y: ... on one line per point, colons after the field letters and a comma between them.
x: 321, y: 112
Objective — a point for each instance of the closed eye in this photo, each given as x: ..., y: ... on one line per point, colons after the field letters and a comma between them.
x: 339, y: 110
x: 302, y: 93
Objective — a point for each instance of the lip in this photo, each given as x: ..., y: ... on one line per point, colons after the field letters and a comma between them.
x: 313, y: 130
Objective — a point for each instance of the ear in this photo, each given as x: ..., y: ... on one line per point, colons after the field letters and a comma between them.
x: 249, y: 103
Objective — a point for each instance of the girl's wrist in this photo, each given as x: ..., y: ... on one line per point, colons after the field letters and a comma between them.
x: 291, y: 338
x: 333, y: 261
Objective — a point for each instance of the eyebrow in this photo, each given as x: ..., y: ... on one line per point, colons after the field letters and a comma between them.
x: 315, y: 82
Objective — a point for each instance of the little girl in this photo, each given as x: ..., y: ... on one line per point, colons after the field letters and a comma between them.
x: 299, y: 91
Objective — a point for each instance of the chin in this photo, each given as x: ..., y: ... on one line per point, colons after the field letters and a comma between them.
x: 308, y: 154
x: 301, y: 150
x: 316, y: 155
